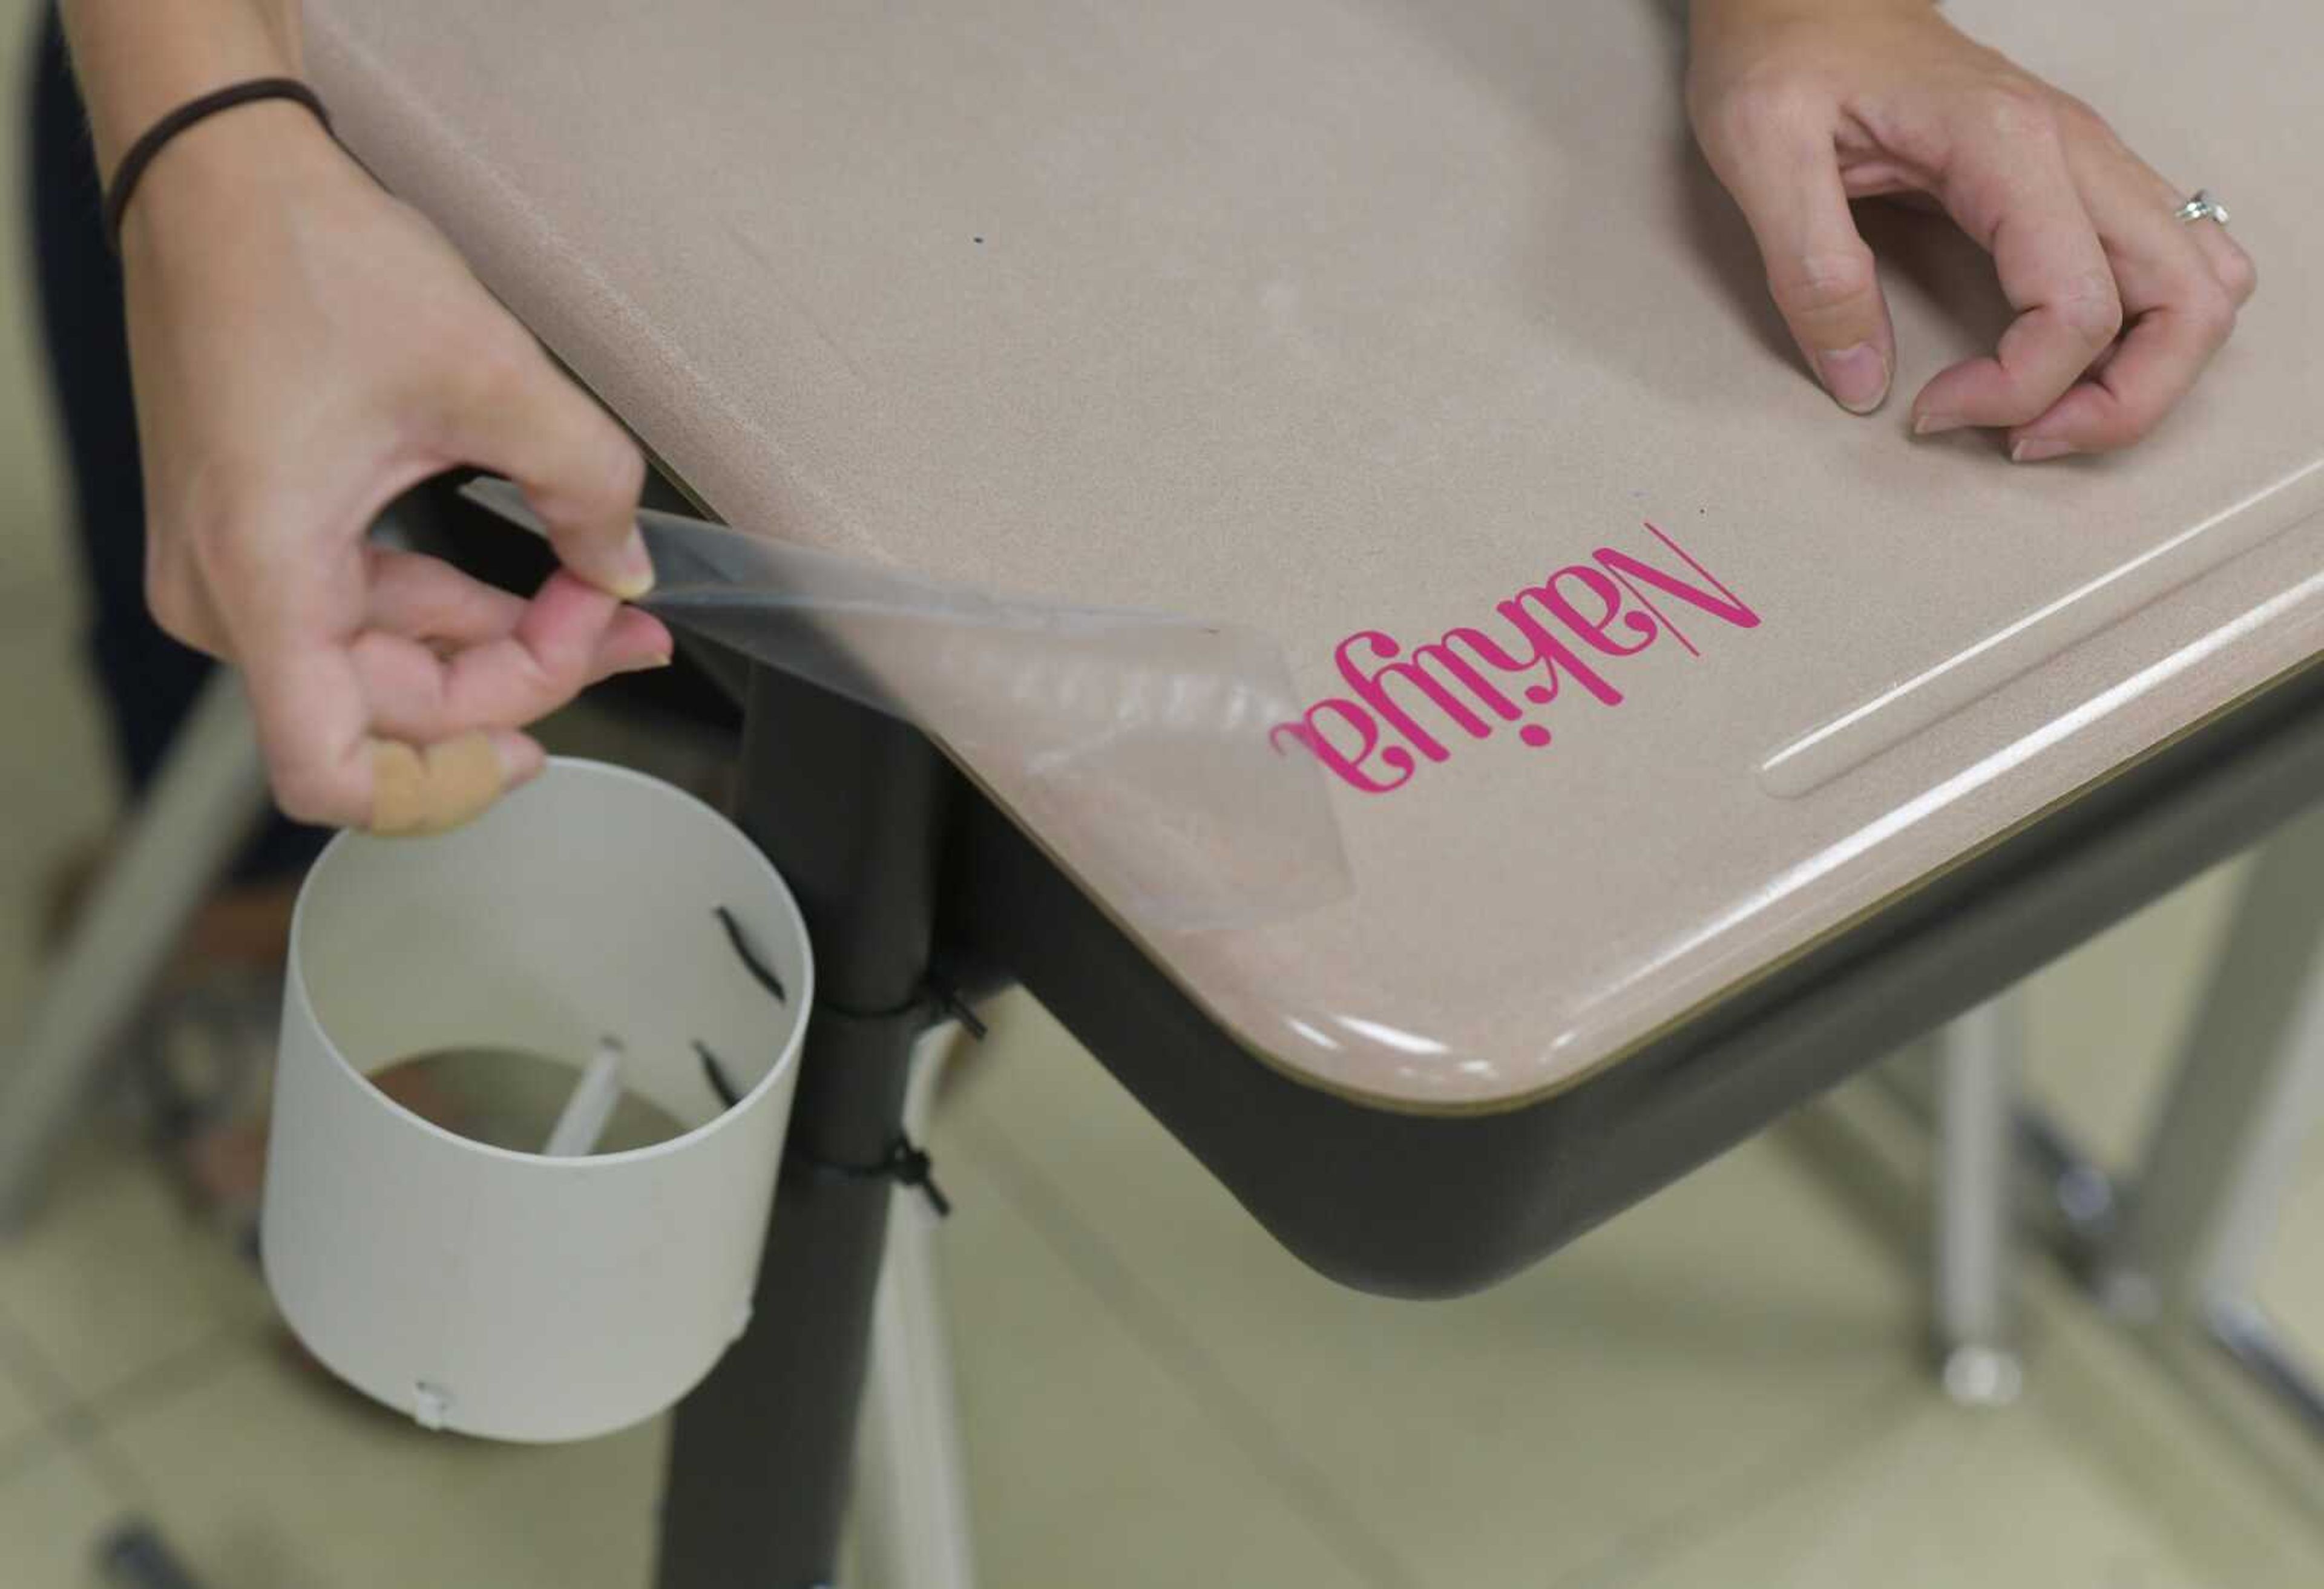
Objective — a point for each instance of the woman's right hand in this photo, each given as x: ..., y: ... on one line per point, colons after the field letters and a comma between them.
x: 306, y: 348
x: 1801, y: 105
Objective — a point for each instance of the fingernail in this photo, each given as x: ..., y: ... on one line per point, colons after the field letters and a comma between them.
x: 2034, y: 449
x: 1856, y: 377
x: 634, y: 569
x: 521, y: 757
x: 644, y: 665
x: 1934, y: 424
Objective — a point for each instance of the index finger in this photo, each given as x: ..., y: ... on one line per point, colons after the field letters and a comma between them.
x: 1776, y: 158
x: 567, y: 637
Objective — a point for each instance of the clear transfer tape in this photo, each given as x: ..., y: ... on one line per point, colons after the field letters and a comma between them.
x: 1138, y: 745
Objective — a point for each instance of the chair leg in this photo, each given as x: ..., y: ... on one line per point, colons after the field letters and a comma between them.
x: 911, y: 1505
x: 1978, y: 1059
x: 201, y: 807
x: 2226, y: 1145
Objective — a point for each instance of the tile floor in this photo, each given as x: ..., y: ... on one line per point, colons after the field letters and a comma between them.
x: 1719, y: 1391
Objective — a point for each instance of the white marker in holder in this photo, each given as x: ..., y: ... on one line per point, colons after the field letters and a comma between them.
x: 519, y: 1295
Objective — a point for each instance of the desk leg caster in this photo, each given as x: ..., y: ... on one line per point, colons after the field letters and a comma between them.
x: 1978, y: 1060
x: 1982, y: 1377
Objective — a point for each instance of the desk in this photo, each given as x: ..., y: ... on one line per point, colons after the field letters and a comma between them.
x: 1358, y: 320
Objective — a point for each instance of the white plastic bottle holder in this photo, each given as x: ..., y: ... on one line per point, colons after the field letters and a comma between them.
x: 597, y: 917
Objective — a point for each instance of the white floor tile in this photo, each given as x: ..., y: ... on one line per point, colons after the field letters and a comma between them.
x: 266, y: 1476
x: 1089, y: 1462
x: 1938, y: 1499
x: 52, y: 1517
x: 1505, y: 1438
x: 2208, y: 1502
x: 112, y: 1279
x: 1088, y: 1465
x: 2099, y: 1477
x: 24, y: 1400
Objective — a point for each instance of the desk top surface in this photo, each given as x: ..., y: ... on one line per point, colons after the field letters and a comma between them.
x: 1391, y: 324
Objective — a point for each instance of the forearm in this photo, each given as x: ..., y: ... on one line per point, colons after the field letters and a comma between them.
x: 1707, y: 17
x: 139, y: 59
x: 1702, y: 10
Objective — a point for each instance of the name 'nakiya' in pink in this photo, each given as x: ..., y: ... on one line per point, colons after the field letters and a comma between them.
x: 1555, y: 633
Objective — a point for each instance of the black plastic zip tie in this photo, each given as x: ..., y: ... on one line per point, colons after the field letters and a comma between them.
x: 716, y: 1074
x: 759, y: 969
x: 905, y: 1162
x: 948, y: 1001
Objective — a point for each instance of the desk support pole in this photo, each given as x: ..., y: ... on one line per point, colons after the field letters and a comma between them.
x: 850, y: 806
x: 1977, y: 1103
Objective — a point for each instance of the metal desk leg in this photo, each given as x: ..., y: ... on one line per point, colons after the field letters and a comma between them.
x: 210, y: 792
x: 1978, y: 1059
x: 849, y: 806
x: 911, y: 1501
x: 2227, y: 1143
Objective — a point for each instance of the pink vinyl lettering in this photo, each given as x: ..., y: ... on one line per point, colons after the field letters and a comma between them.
x: 1450, y: 683
x: 1348, y: 763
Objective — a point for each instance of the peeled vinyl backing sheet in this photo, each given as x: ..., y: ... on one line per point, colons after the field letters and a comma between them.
x: 1147, y: 740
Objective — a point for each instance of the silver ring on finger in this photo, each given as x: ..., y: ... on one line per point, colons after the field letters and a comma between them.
x: 2201, y: 207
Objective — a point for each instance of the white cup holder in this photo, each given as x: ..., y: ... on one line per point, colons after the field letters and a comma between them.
x: 557, y: 1285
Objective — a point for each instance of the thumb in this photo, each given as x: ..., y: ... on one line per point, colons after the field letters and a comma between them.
x: 521, y: 417
x: 1819, y: 267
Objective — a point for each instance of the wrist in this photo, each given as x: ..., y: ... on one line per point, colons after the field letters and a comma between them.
x: 264, y: 151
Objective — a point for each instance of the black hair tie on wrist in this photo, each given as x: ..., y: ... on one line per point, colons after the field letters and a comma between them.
x: 142, y: 152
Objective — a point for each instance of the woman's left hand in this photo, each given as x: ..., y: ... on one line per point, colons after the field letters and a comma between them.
x: 1801, y: 105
